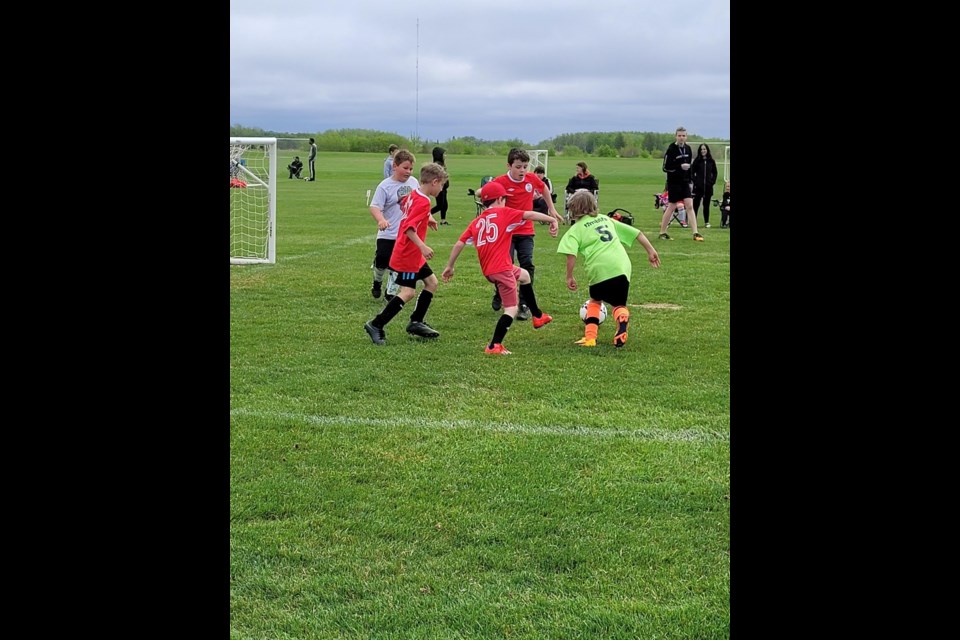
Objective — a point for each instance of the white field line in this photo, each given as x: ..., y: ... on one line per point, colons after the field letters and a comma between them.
x: 647, y: 434
x: 680, y: 253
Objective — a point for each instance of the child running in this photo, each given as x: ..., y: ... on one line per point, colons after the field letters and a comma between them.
x: 386, y: 212
x: 491, y: 233
x: 409, y: 259
x: 600, y: 240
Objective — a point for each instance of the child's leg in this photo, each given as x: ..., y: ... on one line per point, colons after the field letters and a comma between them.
x: 621, y: 315
x: 591, y: 324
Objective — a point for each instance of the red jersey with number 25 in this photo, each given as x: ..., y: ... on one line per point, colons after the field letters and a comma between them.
x: 491, y: 234
x: 406, y: 256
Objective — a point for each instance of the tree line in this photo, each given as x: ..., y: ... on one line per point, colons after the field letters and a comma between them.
x: 623, y: 144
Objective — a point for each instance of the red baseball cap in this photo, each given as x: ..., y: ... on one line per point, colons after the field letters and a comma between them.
x: 492, y: 191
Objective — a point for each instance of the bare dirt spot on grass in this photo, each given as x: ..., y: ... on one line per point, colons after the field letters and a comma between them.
x: 656, y: 305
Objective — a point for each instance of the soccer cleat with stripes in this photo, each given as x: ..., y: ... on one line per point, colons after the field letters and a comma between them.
x: 620, y: 338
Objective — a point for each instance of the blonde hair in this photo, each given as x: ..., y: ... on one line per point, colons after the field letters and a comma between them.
x: 582, y: 203
x: 432, y: 171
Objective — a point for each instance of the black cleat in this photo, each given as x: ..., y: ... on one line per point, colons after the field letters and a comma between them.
x: 422, y: 329
x: 375, y: 291
x: 376, y: 333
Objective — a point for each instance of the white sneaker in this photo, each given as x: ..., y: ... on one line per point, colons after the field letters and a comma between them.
x: 708, y: 225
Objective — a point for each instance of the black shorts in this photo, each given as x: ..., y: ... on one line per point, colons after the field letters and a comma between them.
x: 613, y: 291
x: 409, y: 278
x: 384, y: 250
x: 679, y: 191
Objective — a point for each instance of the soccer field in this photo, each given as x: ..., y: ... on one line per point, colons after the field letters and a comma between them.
x: 424, y: 489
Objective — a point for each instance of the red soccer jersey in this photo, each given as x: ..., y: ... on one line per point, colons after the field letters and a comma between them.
x: 491, y: 234
x: 520, y: 196
x: 407, y: 256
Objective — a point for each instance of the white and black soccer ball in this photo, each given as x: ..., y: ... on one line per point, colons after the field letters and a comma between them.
x: 583, y: 311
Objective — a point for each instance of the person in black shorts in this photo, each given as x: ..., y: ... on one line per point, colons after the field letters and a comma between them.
x: 677, y: 160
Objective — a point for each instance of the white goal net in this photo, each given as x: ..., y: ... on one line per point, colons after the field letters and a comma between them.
x: 253, y: 200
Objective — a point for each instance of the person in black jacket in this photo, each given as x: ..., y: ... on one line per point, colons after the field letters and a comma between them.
x: 295, y: 168
x: 677, y: 160
x: 442, y: 204
x: 583, y: 180
x: 704, y: 172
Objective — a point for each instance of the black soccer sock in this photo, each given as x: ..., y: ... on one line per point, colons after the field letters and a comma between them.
x: 500, y: 332
x: 393, y: 307
x: 530, y: 299
x: 423, y: 303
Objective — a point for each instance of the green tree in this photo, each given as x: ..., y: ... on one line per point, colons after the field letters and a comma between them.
x: 606, y: 151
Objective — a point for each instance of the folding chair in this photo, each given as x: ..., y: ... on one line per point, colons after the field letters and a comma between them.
x: 476, y: 199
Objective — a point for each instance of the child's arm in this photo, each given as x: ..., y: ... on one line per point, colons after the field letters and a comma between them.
x: 652, y: 254
x: 548, y: 198
x: 542, y: 217
x: 454, y: 254
x: 571, y: 281
x: 377, y: 214
x: 424, y: 249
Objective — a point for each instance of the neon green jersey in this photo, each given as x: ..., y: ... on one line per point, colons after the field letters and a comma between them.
x: 600, y: 241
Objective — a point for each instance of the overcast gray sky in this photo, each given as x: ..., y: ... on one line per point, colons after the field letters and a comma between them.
x: 491, y: 69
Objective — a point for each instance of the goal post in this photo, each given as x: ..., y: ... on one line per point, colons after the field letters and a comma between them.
x: 538, y: 157
x: 253, y: 200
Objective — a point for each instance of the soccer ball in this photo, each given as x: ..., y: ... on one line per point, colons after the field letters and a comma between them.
x: 583, y: 311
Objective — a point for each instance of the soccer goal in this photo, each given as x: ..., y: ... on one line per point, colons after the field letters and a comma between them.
x: 726, y: 163
x: 253, y: 200
x: 538, y: 157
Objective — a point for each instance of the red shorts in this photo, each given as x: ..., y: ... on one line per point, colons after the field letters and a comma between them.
x: 506, y: 282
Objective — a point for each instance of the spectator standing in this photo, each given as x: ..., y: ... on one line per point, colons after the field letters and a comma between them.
x: 704, y: 172
x: 442, y: 204
x: 677, y: 160
x: 388, y: 161
x: 312, y: 161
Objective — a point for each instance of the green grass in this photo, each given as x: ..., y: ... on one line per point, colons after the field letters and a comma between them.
x: 426, y: 490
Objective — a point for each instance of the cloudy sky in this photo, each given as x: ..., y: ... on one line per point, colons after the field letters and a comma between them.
x: 491, y: 69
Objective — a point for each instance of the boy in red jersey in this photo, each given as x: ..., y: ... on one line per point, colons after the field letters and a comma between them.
x: 491, y: 233
x: 409, y: 259
x: 520, y: 187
